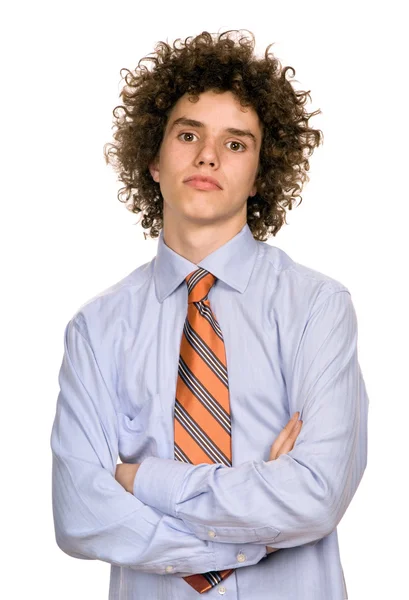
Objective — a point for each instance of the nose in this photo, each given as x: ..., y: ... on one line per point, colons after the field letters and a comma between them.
x: 208, y: 155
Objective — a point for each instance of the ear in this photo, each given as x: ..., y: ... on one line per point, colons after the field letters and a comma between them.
x: 256, y: 181
x: 253, y: 190
x: 154, y: 169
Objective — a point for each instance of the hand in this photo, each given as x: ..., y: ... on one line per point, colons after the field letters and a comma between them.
x: 286, y: 438
x: 284, y: 443
x: 125, y: 475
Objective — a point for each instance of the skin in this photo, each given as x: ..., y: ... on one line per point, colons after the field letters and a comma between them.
x: 197, y: 222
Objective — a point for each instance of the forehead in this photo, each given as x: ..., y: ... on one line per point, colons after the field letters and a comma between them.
x: 216, y: 109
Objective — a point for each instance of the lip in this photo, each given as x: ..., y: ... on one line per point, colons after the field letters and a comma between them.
x: 202, y: 185
x: 203, y: 182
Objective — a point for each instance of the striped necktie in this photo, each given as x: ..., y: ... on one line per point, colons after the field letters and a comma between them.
x: 202, y: 407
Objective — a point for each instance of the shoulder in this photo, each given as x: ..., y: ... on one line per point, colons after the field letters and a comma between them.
x: 287, y: 267
x: 296, y: 283
x: 105, y: 308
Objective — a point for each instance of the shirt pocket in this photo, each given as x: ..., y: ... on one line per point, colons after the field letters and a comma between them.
x: 141, y: 433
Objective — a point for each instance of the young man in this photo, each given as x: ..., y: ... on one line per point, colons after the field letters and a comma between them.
x: 189, y: 368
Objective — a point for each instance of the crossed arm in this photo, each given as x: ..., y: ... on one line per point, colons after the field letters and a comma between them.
x: 301, y: 497
x: 125, y: 473
x: 288, y: 502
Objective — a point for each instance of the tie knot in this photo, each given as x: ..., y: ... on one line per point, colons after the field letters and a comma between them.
x: 199, y: 283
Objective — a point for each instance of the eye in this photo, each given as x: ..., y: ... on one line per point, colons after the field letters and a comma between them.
x: 240, y: 144
x: 185, y: 133
x: 232, y: 142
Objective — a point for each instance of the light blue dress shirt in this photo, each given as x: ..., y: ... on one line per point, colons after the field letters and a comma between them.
x: 290, y: 335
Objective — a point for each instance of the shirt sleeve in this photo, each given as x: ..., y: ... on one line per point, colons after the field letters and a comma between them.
x: 94, y: 516
x: 301, y: 496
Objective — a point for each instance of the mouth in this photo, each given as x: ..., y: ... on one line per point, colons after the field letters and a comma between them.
x: 199, y: 184
x: 200, y: 178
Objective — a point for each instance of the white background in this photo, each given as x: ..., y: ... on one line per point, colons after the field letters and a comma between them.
x: 65, y: 237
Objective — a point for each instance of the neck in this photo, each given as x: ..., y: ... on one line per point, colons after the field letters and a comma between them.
x: 196, y: 242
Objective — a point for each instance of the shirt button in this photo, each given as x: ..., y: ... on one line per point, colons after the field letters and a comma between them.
x: 241, y: 557
x: 169, y: 569
x: 222, y: 590
x: 211, y: 534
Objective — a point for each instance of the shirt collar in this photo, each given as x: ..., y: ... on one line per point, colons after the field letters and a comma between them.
x: 232, y: 263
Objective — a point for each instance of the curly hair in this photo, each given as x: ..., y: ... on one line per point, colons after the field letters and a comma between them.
x: 202, y: 63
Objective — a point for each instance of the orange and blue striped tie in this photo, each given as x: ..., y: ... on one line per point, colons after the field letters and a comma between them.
x: 202, y: 406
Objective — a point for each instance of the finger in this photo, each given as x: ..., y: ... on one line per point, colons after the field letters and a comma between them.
x: 283, y: 435
x: 289, y: 443
x: 277, y: 447
x: 280, y: 440
x: 291, y: 421
x: 286, y: 430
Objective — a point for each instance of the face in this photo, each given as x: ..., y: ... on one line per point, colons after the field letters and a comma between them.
x: 207, y: 148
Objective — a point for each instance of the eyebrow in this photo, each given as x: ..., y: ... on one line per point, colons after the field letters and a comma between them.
x: 232, y: 130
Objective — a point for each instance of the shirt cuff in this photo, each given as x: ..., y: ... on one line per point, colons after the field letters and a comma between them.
x: 158, y: 482
x: 232, y: 556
